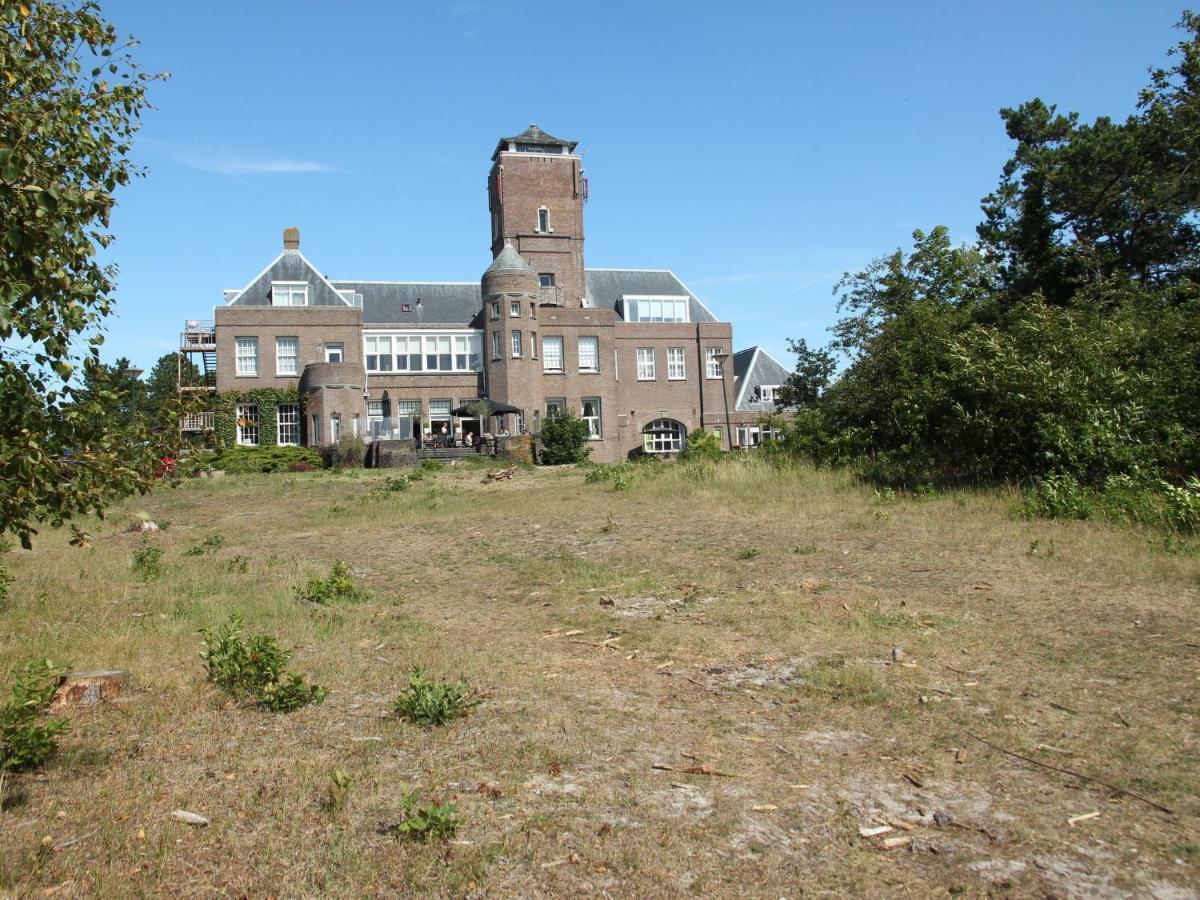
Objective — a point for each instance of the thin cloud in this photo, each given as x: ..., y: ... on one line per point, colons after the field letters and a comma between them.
x: 230, y: 164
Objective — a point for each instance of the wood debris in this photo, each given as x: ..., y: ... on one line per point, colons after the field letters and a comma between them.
x: 189, y: 818
x: 876, y: 831
x: 1075, y: 820
x: 502, y: 474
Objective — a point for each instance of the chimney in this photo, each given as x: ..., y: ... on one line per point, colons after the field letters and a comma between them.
x: 291, y: 238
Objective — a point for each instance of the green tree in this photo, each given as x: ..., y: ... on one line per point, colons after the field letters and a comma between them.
x: 115, y: 390
x: 564, y: 438
x: 804, y: 386
x: 70, y: 99
x: 161, y: 387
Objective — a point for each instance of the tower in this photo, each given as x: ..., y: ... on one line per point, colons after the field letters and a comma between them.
x: 536, y: 192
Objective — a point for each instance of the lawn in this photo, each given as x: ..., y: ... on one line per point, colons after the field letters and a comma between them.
x: 826, y: 661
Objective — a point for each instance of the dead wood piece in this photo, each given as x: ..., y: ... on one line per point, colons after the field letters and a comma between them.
x: 89, y: 688
x: 501, y: 474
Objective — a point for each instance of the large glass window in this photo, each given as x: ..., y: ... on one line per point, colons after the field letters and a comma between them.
x: 676, y: 367
x: 289, y: 293
x: 552, y: 353
x: 656, y: 309
x: 247, y: 424
x: 590, y: 413
x: 516, y: 344
x: 589, y: 354
x: 407, y: 417
x: 663, y: 436
x: 287, y: 356
x: 423, y: 353
x: 247, y: 356
x: 287, y: 424
x: 645, y: 363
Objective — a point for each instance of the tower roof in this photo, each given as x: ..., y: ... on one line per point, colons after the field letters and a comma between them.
x: 508, y: 260
x: 535, y: 137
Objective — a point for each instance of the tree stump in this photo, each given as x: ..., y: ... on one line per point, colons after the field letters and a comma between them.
x: 89, y: 688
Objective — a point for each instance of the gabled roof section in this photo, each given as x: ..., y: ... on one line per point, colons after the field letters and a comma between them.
x: 606, y: 287
x: 536, y: 137
x: 290, y: 265
x: 752, y: 367
x: 454, y: 303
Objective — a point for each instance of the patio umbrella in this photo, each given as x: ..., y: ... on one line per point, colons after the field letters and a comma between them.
x: 494, y: 409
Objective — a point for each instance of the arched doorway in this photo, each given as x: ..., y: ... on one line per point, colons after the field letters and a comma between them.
x: 664, y: 436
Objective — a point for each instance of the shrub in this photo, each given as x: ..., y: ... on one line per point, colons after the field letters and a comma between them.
x: 702, y: 445
x: 255, y: 667
x: 249, y: 460
x: 1182, y: 506
x: 337, y: 587
x: 423, y: 821
x: 564, y: 438
x: 338, y: 789
x: 25, y: 742
x: 5, y: 581
x: 394, y: 484
x: 426, y: 702
x: 348, y: 452
x: 210, y: 544
x: 431, y: 465
x: 1058, y: 497
x: 147, y: 561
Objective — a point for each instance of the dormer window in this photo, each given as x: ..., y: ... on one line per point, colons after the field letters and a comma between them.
x: 289, y: 293
x: 543, y: 225
x: 766, y: 393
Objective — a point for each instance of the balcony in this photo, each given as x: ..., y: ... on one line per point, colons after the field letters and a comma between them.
x: 550, y: 295
x: 197, y: 422
x: 198, y: 336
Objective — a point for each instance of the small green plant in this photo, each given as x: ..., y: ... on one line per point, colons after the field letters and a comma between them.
x: 26, y: 741
x: 147, y: 561
x: 338, y: 790
x: 608, y: 525
x: 238, y: 565
x: 255, y: 667
x: 394, y: 484
x: 838, y: 681
x: 426, y: 702
x: 5, y: 581
x: 337, y: 587
x: 805, y: 549
x: 431, y: 465
x: 427, y: 820
x: 747, y: 553
x: 210, y: 544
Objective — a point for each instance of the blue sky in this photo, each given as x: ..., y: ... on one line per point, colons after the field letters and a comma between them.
x: 757, y: 149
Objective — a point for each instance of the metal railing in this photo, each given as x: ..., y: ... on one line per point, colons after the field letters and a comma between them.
x: 201, y: 421
x: 198, y: 334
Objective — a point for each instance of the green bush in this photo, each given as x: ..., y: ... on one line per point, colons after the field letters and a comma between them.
x: 702, y: 445
x: 249, y: 460
x: 255, y: 667
x: 1182, y: 506
x: 26, y: 742
x: 348, y: 452
x: 564, y: 438
x: 337, y: 587
x: 423, y: 821
x: 426, y: 702
x: 1058, y: 497
x: 147, y: 561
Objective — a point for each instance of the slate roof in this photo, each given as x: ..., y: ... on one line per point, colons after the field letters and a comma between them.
x: 537, y: 137
x: 508, y: 260
x: 606, y: 286
x: 752, y: 367
x: 441, y: 302
x: 290, y: 265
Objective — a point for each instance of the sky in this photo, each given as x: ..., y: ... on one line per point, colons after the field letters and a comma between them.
x: 758, y: 150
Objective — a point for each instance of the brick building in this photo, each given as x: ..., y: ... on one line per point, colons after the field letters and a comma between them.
x: 633, y: 351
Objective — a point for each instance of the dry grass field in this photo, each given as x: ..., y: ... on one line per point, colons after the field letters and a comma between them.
x: 737, y: 620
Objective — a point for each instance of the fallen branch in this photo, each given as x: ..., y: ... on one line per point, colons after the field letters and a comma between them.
x: 693, y: 770
x: 1072, y: 772
x: 75, y: 840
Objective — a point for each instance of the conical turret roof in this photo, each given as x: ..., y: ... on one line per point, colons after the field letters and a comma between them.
x: 508, y: 260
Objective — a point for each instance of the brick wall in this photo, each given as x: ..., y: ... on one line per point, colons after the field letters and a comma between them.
x: 314, y: 326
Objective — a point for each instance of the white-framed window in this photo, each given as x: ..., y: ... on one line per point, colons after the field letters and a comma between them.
x: 663, y: 436
x: 589, y: 354
x: 543, y: 224
x: 247, y: 424
x: 765, y: 393
x: 590, y: 413
x: 335, y: 427
x: 712, y: 365
x: 289, y: 293
x: 495, y: 309
x: 545, y: 279
x: 514, y: 309
x: 287, y: 424
x: 375, y: 426
x: 645, y: 363
x: 378, y: 351
x: 555, y: 405
x: 316, y: 431
x: 408, y: 417
x: 533, y: 345
x: 657, y: 309
x: 439, y: 415
x: 357, y: 425
x: 748, y: 435
x: 516, y: 344
x: 287, y: 356
x: 247, y: 355
x: 676, y: 365
x: 552, y: 353
x: 335, y: 353
x: 497, y: 344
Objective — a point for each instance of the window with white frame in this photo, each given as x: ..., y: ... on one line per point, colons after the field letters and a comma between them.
x: 375, y: 426
x: 287, y: 424
x: 663, y: 436
x: 247, y: 424
x: 590, y: 413
x: 589, y: 354
x: 514, y: 309
x: 676, y: 366
x: 495, y: 309
x: 408, y: 417
x: 748, y: 435
x: 552, y: 353
x: 645, y: 363
x: 497, y: 344
x: 423, y: 353
x: 765, y: 393
x: 657, y: 309
x: 335, y: 353
x: 439, y: 415
x: 545, y: 279
x: 287, y: 356
x: 543, y: 220
x: 555, y: 405
x: 357, y: 425
x: 246, y: 355
x: 516, y: 344
x: 315, y: 437
x: 335, y: 427
x: 289, y: 293
x: 533, y: 345
x: 712, y: 365
x: 438, y: 357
